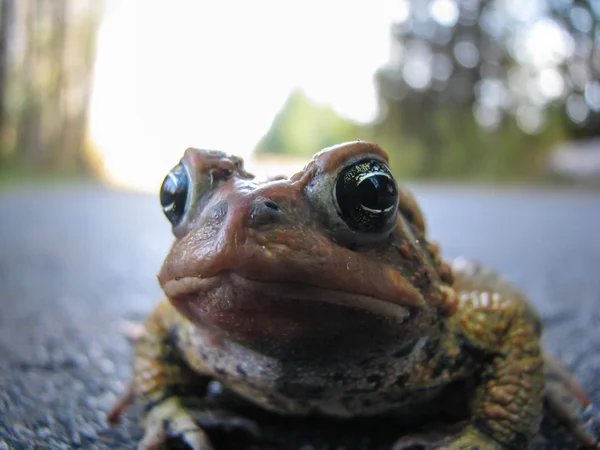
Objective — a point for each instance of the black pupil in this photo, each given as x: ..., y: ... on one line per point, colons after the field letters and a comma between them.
x: 173, y: 194
x: 367, y: 196
x: 377, y: 192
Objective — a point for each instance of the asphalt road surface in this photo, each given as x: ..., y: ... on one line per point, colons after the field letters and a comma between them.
x: 76, y: 261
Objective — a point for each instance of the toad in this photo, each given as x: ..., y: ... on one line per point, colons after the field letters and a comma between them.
x: 321, y: 295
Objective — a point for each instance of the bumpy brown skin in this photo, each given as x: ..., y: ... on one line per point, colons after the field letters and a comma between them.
x: 272, y: 293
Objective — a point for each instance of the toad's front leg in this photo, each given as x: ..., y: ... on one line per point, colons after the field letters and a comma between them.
x: 170, y: 393
x: 507, y: 404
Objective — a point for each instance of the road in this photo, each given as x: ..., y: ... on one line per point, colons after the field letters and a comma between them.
x: 77, y: 260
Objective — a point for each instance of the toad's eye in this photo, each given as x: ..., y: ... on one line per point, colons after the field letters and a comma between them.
x: 367, y: 197
x: 174, y: 194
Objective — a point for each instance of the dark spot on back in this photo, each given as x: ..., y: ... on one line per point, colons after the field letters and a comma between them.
x: 299, y: 391
x: 460, y: 361
x: 484, y: 426
x: 476, y: 353
x: 431, y: 348
x: 374, y: 379
x: 519, y: 440
x: 368, y: 390
x: 402, y: 379
x: 366, y: 362
x: 405, y: 349
x: 424, y: 279
x: 443, y: 363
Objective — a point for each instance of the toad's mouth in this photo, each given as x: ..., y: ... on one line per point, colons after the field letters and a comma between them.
x: 250, y: 308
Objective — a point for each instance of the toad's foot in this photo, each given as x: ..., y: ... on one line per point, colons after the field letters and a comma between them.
x: 468, y: 439
x: 588, y: 431
x: 170, y: 421
x: 567, y: 401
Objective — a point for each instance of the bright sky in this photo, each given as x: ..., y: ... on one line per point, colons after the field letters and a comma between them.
x: 213, y: 73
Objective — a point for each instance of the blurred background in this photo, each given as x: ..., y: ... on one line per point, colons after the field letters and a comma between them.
x: 489, y: 109
x: 498, y: 90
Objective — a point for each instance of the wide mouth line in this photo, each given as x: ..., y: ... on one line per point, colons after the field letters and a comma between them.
x: 287, y: 290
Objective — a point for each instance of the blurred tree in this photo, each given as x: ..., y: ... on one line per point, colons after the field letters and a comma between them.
x: 302, y: 127
x: 481, y: 87
x: 581, y: 70
x: 6, y: 16
x: 49, y: 52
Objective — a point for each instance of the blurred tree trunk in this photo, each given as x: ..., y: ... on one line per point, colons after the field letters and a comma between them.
x: 51, y: 54
x: 6, y: 17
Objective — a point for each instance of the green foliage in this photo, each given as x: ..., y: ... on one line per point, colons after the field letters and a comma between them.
x: 451, y: 144
x: 302, y: 127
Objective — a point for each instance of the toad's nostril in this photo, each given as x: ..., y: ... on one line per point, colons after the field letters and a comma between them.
x: 272, y: 205
x: 264, y: 212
